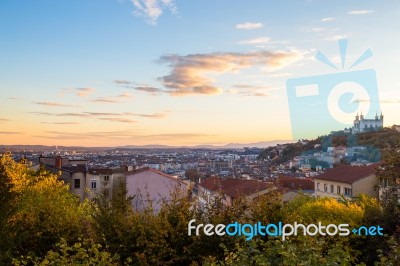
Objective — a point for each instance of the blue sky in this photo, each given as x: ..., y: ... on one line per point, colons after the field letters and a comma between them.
x: 112, y: 72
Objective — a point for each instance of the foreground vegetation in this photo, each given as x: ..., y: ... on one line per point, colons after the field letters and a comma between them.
x: 41, y: 223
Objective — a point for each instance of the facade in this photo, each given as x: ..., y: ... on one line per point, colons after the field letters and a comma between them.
x: 149, y: 186
x: 84, y: 182
x: 388, y: 187
x: 347, y: 181
x: 364, y: 125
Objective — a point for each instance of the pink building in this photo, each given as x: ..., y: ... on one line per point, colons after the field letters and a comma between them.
x: 149, y: 186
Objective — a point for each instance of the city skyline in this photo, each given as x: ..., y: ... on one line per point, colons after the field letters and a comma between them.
x: 167, y: 72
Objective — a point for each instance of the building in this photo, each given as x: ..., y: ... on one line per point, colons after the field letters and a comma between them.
x: 293, y: 187
x: 150, y: 186
x: 347, y: 181
x: 396, y: 127
x: 104, y: 180
x: 229, y: 190
x: 365, y: 125
x: 84, y: 182
x: 388, y: 188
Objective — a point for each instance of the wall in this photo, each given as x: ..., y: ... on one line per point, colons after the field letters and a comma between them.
x: 151, y: 186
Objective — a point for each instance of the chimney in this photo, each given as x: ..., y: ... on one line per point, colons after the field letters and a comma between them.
x: 58, y: 162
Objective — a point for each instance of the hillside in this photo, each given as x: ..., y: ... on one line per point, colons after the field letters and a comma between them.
x: 384, y: 140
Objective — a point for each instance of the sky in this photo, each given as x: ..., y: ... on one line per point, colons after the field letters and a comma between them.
x: 181, y: 72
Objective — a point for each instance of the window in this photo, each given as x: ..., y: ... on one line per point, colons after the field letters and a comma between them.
x: 106, y: 178
x: 77, y: 183
x: 325, y: 187
x: 348, y: 191
x: 317, y: 186
x: 93, y: 184
x: 338, y: 190
x: 384, y: 182
x: 332, y: 188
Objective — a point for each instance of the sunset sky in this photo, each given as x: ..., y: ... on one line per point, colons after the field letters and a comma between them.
x: 183, y: 72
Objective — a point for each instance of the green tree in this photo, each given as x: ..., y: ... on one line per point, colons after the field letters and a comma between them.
x: 82, y: 252
x: 42, y: 211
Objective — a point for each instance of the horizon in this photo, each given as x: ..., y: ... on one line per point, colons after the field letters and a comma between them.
x: 120, y: 73
x: 222, y: 146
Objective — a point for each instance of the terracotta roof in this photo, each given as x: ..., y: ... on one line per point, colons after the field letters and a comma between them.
x: 348, y: 174
x: 234, y: 187
x: 296, y: 183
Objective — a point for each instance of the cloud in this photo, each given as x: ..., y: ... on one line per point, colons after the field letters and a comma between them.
x: 112, y: 117
x: 9, y: 133
x: 15, y: 98
x: 382, y: 101
x: 153, y: 115
x: 336, y: 37
x: 112, y: 99
x: 101, y: 114
x: 156, y: 115
x: 80, y: 92
x: 124, y: 95
x: 61, y: 123
x: 249, y: 26
x: 4, y: 120
x: 153, y: 9
x: 149, y: 89
x: 104, y: 100
x: 83, y: 92
x: 72, y: 114
x: 250, y: 90
x: 100, y: 136
x: 117, y: 119
x: 60, y: 114
x: 188, y: 73
x: 360, y: 12
x: 53, y: 104
x: 123, y: 82
x: 328, y: 19
x: 260, y: 40
x: 316, y: 30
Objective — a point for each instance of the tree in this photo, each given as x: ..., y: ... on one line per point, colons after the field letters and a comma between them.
x: 82, y: 252
x: 192, y: 175
x: 42, y: 211
x: 112, y: 222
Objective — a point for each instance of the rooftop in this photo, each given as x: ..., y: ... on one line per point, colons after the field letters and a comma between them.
x: 348, y: 174
x: 234, y: 187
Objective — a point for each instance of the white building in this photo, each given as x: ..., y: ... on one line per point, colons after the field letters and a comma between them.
x: 347, y: 181
x: 364, y: 125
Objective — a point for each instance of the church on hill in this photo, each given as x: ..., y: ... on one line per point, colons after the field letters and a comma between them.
x: 366, y: 125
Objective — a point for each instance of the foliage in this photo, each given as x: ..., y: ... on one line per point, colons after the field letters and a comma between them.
x: 83, y: 252
x: 43, y: 224
x: 43, y: 211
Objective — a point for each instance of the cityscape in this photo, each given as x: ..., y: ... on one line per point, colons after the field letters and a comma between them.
x: 171, y: 132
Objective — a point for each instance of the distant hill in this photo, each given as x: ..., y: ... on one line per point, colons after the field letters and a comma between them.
x: 263, y: 144
x: 383, y: 140
x: 41, y: 148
